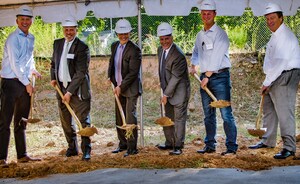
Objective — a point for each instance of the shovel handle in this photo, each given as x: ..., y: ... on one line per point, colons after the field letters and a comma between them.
x: 69, y: 108
x: 119, y: 106
x: 257, y: 124
x: 163, y: 110
x: 32, y: 98
x: 206, y: 89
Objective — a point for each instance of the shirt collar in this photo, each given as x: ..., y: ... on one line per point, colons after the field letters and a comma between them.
x: 20, y: 32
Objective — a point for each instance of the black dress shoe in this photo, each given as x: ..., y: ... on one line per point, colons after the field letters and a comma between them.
x: 164, y: 147
x: 131, y: 152
x: 284, y: 154
x: 86, y: 157
x: 175, y: 152
x: 119, y: 150
x: 206, y: 150
x: 228, y: 152
x: 71, y: 152
x: 259, y: 145
x: 28, y: 159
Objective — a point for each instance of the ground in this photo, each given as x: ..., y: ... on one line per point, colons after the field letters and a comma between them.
x: 46, y: 140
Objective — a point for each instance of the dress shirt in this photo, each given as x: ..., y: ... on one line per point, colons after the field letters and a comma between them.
x: 117, y: 56
x: 62, y: 59
x: 211, y: 50
x: 282, y: 53
x: 18, y: 59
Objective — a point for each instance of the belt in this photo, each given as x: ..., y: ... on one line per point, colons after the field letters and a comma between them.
x: 284, y: 71
x: 10, y: 79
x: 223, y: 70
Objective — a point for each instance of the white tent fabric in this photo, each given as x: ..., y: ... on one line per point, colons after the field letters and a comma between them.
x: 55, y: 10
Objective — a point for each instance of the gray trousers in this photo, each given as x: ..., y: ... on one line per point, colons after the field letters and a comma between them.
x: 175, y: 135
x: 279, y: 108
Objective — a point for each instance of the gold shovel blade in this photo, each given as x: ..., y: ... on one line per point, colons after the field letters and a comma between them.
x: 164, y: 121
x: 88, y: 131
x: 220, y: 104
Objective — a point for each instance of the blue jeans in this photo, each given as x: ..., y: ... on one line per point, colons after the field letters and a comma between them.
x: 219, y: 84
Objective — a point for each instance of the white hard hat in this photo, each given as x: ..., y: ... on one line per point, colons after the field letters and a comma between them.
x: 208, y: 5
x: 272, y: 7
x: 69, y: 22
x: 164, y: 29
x: 123, y: 26
x: 25, y: 11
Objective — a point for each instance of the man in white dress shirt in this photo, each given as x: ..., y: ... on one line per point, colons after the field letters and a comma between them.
x: 282, y: 69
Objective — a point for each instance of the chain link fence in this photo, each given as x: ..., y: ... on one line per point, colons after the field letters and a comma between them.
x: 247, y: 33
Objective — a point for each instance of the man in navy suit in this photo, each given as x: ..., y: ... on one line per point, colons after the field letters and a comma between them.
x: 70, y: 71
x: 123, y: 72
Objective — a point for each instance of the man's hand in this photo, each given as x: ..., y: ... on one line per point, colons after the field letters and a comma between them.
x: 117, y: 90
x: 264, y: 90
x: 36, y: 74
x: 29, y: 89
x: 53, y: 83
x: 67, y: 98
x: 164, y: 99
x: 193, y: 69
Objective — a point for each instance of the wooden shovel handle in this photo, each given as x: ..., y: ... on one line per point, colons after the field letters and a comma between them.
x: 119, y: 106
x: 163, y: 110
x: 32, y: 96
x: 206, y: 89
x: 69, y: 108
x: 257, y: 124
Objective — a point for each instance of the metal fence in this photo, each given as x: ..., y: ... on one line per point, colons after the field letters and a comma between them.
x: 247, y: 33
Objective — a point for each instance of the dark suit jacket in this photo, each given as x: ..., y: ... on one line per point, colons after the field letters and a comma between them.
x: 78, y: 67
x: 131, y: 61
x: 177, y: 75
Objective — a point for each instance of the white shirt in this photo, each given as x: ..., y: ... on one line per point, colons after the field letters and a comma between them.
x: 60, y: 71
x: 211, y: 50
x: 18, y: 59
x: 283, y: 53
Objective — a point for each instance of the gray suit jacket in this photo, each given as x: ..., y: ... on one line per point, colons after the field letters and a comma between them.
x: 177, y: 75
x: 131, y: 61
x: 78, y: 67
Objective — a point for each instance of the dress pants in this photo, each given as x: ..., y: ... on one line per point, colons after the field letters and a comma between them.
x: 15, y: 101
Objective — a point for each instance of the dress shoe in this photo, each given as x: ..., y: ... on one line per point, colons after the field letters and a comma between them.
x: 28, y: 159
x: 206, y: 150
x: 175, y: 152
x: 119, y: 150
x: 131, y: 152
x: 284, y: 154
x: 164, y: 147
x: 86, y: 157
x: 71, y: 152
x: 3, y: 163
x: 259, y: 145
x: 228, y: 152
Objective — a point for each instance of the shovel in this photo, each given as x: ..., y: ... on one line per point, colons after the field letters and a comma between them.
x: 128, y: 127
x: 216, y: 103
x: 87, y: 131
x: 31, y: 119
x: 258, y: 132
x: 164, y: 121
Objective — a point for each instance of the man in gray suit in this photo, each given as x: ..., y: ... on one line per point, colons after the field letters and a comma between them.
x: 70, y: 71
x: 175, y: 84
x: 123, y: 72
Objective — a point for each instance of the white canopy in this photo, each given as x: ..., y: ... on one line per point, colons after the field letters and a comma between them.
x: 55, y: 10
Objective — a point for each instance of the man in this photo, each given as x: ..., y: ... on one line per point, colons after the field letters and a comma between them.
x: 211, y: 53
x: 175, y: 84
x: 17, y: 67
x: 70, y: 71
x: 282, y: 69
x: 123, y: 72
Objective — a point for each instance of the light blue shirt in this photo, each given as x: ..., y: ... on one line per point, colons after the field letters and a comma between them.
x: 211, y: 50
x: 18, y: 59
x: 283, y: 53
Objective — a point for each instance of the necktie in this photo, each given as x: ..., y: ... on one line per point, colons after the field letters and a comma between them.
x: 119, y: 66
x: 65, y: 68
x: 162, y: 70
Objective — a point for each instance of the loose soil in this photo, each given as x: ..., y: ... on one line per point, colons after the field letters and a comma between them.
x: 46, y: 140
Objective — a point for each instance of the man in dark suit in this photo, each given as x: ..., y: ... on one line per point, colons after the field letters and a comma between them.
x: 70, y: 71
x: 175, y: 84
x: 123, y: 72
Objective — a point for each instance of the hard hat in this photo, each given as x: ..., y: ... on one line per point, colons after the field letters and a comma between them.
x: 272, y: 7
x: 208, y: 5
x: 69, y: 22
x: 25, y: 11
x: 123, y: 26
x: 164, y: 29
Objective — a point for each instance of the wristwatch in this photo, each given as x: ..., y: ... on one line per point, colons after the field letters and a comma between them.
x: 207, y: 76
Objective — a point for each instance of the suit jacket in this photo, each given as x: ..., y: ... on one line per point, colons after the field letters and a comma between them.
x: 78, y: 67
x: 177, y: 75
x: 131, y: 61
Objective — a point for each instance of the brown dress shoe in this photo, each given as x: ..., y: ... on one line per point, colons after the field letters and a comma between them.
x: 28, y: 159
